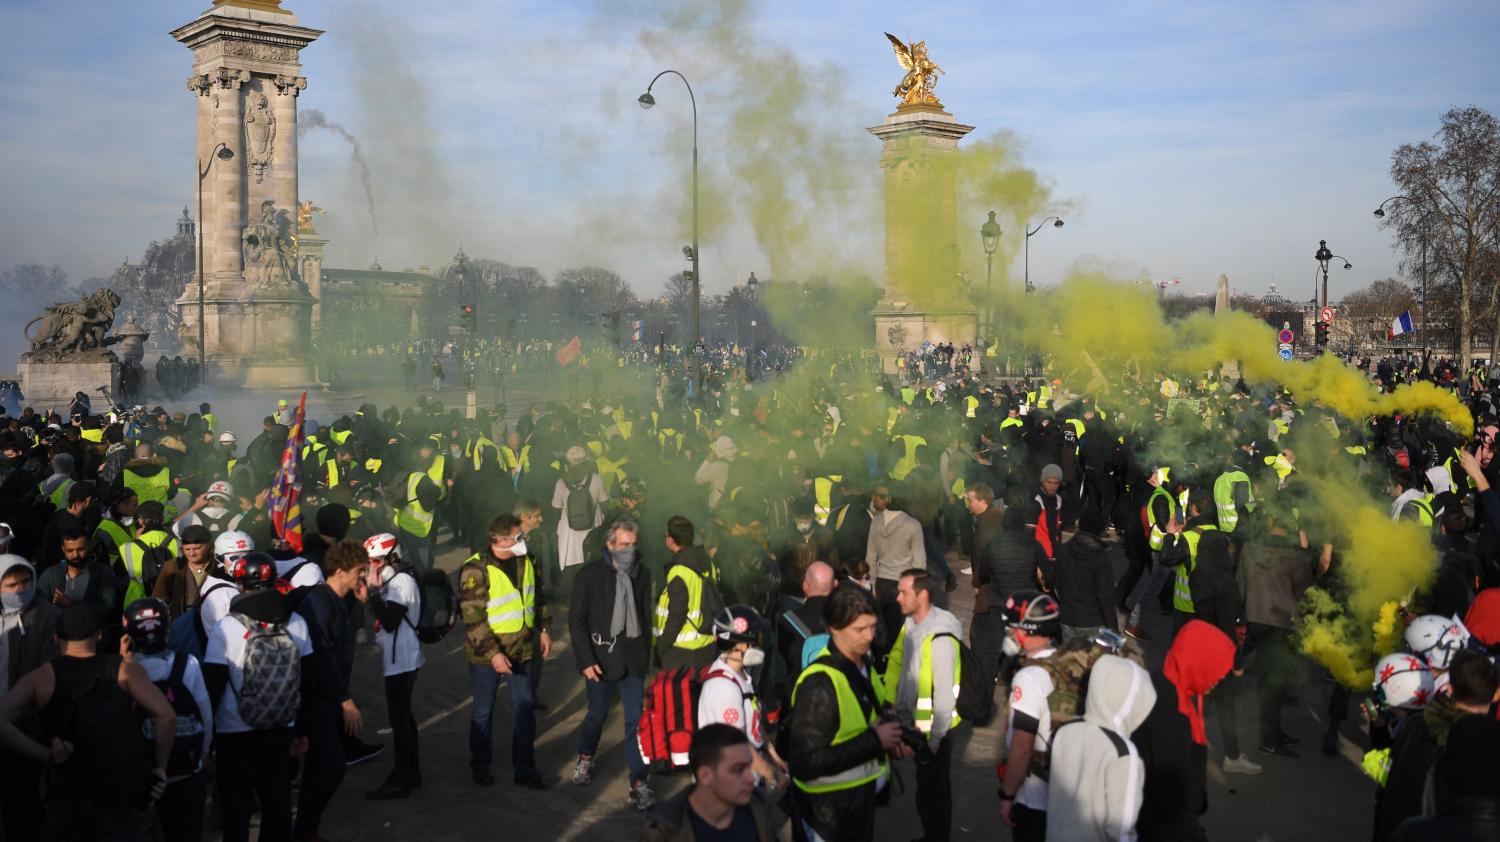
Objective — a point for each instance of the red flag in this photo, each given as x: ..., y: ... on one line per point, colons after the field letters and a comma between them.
x: 569, y: 352
x: 286, y: 491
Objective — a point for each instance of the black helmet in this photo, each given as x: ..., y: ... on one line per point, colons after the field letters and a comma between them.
x: 739, y: 624
x: 1032, y: 612
x: 146, y: 621
x: 253, y: 571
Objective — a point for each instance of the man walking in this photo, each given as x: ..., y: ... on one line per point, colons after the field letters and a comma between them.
x: 688, y: 603
x: 501, y: 607
x: 612, y: 648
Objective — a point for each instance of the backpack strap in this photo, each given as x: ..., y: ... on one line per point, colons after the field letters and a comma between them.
x: 179, y: 669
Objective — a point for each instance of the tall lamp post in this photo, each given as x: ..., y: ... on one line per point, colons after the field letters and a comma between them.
x: 989, y: 235
x: 221, y: 153
x: 1056, y: 223
x: 646, y: 100
x: 1324, y: 256
x: 1380, y: 214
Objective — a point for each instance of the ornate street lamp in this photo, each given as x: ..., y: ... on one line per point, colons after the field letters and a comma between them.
x: 989, y: 236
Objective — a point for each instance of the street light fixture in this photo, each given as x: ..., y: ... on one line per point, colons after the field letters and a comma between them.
x: 221, y: 153
x: 1056, y: 223
x: 989, y: 235
x: 752, y: 284
x: 646, y: 100
x: 1422, y: 238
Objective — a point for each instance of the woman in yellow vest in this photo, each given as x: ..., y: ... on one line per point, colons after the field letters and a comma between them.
x: 839, y: 742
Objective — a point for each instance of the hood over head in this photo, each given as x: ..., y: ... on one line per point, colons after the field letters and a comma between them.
x: 62, y: 464
x: 1120, y: 695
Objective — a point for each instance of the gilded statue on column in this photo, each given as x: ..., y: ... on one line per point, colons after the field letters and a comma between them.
x: 917, y: 86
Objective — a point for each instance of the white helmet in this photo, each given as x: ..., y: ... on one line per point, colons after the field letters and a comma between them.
x: 382, y: 545
x: 1435, y: 639
x: 1402, y: 681
x: 231, y: 545
x: 220, y: 489
x: 227, y: 437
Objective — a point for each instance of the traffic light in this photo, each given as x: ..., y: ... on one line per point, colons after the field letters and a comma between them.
x: 1322, y: 335
x: 468, y: 319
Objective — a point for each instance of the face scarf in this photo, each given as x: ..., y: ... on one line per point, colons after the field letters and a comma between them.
x: 1201, y: 655
x: 624, y: 619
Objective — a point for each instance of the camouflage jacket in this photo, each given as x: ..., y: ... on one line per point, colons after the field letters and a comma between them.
x: 473, y: 596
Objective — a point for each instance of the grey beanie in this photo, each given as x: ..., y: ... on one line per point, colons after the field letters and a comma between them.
x: 1051, y: 472
x: 62, y: 463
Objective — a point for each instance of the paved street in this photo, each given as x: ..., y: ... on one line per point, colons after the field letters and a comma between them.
x: 1314, y: 797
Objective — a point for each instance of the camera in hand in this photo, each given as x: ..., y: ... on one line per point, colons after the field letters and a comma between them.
x: 910, y: 737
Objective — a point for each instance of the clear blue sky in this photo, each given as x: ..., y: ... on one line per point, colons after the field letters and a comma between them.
x: 1190, y: 138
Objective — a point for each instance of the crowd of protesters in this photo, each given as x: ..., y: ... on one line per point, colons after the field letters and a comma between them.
x: 788, y: 541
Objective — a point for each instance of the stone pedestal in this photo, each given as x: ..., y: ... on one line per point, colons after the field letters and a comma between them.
x: 51, y: 385
x: 247, y: 77
x: 925, y: 295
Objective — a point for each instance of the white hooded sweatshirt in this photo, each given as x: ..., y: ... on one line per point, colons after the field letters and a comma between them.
x: 1097, y: 775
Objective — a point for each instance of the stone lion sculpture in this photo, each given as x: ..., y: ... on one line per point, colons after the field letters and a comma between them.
x: 74, y: 327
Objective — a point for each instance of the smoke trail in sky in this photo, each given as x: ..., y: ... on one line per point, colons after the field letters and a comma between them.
x: 311, y: 118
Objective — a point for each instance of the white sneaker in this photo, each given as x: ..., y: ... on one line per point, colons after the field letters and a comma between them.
x: 1241, y: 765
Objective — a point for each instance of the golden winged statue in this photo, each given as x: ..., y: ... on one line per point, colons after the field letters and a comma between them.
x: 921, y: 73
x: 305, y: 211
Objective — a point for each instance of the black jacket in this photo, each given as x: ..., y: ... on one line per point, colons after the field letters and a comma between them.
x: 845, y: 814
x: 1009, y: 561
x: 1176, y: 792
x: 589, y: 615
x: 332, y: 640
x: 789, y: 641
x: 1086, y: 584
x: 32, y: 643
x: 1461, y: 820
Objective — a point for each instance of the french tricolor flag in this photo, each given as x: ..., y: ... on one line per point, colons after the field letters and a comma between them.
x: 1399, y: 325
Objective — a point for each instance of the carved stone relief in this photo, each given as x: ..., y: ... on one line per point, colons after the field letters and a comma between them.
x: 260, y: 134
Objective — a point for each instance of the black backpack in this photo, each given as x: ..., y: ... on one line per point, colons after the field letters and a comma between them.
x: 110, y: 765
x: 153, y: 559
x: 438, y: 608
x: 580, y: 505
x: 187, y: 748
x: 973, y: 703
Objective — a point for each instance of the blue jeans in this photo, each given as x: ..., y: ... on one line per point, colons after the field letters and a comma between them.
x: 601, y: 693
x: 415, y: 551
x: 485, y: 682
x: 1154, y: 582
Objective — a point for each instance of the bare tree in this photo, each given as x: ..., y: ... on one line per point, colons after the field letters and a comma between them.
x: 679, y: 293
x: 1451, y: 211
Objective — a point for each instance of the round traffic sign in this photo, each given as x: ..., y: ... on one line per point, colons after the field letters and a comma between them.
x: 1286, y: 353
x: 1285, y: 337
x: 1325, y: 314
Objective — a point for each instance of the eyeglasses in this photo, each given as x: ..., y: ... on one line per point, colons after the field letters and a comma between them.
x: 504, y: 539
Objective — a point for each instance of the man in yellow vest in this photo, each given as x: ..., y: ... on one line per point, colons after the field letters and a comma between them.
x: 415, y: 516
x: 688, y: 603
x: 507, y: 631
x: 1197, y: 543
x: 142, y: 558
x: 116, y: 527
x: 922, y: 677
x: 839, y: 744
x: 1163, y: 516
x: 148, y: 475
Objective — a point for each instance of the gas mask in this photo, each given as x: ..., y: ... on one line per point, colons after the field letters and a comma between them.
x: 1010, y: 646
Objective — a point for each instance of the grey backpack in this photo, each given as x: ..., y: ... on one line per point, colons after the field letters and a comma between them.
x: 271, y: 688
